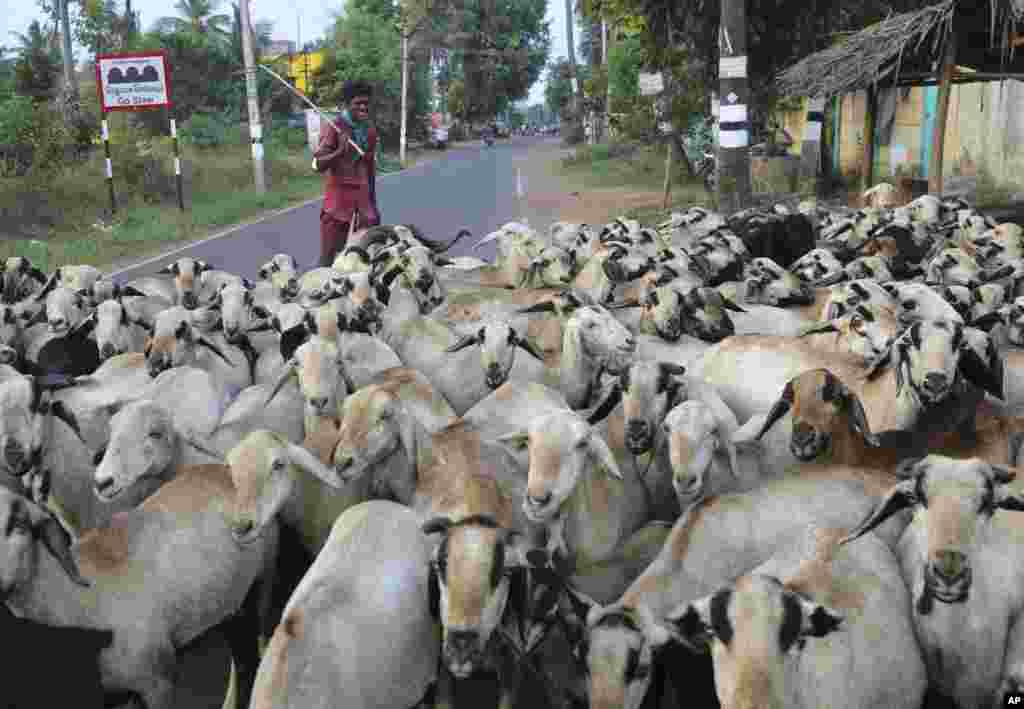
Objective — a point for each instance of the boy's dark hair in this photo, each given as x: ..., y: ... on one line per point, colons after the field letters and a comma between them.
x: 356, y: 88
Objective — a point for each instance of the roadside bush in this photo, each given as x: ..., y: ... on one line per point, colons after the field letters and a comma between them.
x: 289, y: 138
x: 16, y: 116
x: 205, y: 130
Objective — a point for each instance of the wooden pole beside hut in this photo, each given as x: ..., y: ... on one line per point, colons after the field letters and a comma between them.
x: 942, y: 113
x: 868, y: 156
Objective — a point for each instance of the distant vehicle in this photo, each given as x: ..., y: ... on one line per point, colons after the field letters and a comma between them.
x: 439, y: 137
x: 501, y: 130
x: 296, y: 120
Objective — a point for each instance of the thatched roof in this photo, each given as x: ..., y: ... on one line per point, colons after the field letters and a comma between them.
x: 907, y: 44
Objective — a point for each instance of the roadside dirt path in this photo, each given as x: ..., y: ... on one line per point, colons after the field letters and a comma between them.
x: 552, y: 197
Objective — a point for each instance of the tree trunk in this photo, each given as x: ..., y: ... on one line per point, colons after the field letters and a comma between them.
x: 405, y: 92
x: 868, y: 159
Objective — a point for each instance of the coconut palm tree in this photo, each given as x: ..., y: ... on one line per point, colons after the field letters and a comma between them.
x: 262, y: 31
x: 196, y: 17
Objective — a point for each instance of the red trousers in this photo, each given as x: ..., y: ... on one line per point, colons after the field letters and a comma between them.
x: 334, y: 234
x: 333, y: 237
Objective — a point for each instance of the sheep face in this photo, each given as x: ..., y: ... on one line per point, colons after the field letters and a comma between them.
x: 848, y: 296
x: 497, y: 341
x: 64, y: 310
x: 187, y: 280
x: 143, y: 444
x: 953, y: 503
x: 469, y: 583
x: 662, y: 310
x: 932, y: 351
x: 318, y: 363
x: 563, y: 449
x: 649, y: 391
x: 869, y: 268
x: 21, y: 426
x: 621, y: 647
x: 20, y: 279
x: 113, y: 333
x: 358, y: 303
x: 919, y: 302
x: 373, y: 426
x: 172, y: 340
x: 601, y: 337
x: 985, y: 299
x: 280, y: 263
x: 287, y: 285
x: 22, y: 525
x: 752, y: 627
x: 555, y: 267
x: 952, y: 267
x: 235, y: 311
x: 704, y: 314
x: 819, y: 267
x: 1015, y: 322
x: 10, y: 328
x: 696, y: 444
x: 823, y: 409
x: 264, y: 467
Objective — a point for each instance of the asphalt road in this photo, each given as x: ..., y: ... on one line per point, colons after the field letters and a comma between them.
x: 469, y: 187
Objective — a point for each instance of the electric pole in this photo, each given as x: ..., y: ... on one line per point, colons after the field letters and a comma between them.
x: 575, y: 103
x: 405, y: 99
x: 70, y: 80
x: 255, y: 128
x: 733, y: 116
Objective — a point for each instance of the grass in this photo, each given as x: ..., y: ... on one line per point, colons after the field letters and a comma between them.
x: 64, y: 217
x: 617, y: 166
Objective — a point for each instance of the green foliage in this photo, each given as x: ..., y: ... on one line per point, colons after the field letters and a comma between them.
x: 558, y: 90
x: 48, y: 138
x: 292, y: 139
x: 16, y: 116
x: 624, y: 62
x: 206, y: 130
x: 37, y: 68
x: 518, y: 120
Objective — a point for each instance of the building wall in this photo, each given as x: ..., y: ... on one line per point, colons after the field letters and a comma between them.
x: 984, y: 133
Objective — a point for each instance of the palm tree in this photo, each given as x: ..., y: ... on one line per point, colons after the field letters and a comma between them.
x: 36, y: 40
x: 196, y: 17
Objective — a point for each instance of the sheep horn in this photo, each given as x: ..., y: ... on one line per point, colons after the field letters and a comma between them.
x: 527, y: 345
x: 490, y: 237
x: 462, y: 233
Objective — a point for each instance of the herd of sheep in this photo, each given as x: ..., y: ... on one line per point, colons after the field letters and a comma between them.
x: 764, y: 460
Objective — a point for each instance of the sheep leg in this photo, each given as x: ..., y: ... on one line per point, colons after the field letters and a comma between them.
x: 444, y: 688
x: 242, y: 631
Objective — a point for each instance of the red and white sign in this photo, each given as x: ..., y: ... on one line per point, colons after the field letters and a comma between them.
x: 133, y: 82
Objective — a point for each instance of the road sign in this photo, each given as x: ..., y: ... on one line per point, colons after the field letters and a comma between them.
x: 133, y: 82
x: 651, y: 84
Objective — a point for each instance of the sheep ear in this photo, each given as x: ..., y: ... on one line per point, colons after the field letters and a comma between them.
x: 527, y: 345
x: 514, y: 441
x: 818, y: 620
x: 51, y: 283
x: 287, y: 372
x: 436, y: 525
x: 900, y: 497
x: 213, y: 348
x: 603, y: 453
x: 779, y: 409
x: 311, y: 464
x: 607, y: 406
x: 818, y: 328
x: 57, y: 541
x: 204, y: 448
x: 131, y: 291
x: 464, y: 342
x: 57, y: 409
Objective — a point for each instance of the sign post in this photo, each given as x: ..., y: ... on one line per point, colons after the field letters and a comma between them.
x: 134, y: 82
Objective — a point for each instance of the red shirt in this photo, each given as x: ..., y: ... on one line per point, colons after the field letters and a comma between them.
x: 349, y: 185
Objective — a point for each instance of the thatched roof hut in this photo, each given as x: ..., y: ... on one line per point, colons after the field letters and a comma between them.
x: 952, y: 41
x: 903, y: 49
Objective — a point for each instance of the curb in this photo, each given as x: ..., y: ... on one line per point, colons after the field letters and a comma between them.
x: 234, y: 228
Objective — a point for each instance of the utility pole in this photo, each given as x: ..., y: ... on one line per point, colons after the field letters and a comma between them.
x: 405, y: 97
x: 575, y: 103
x: 734, y: 122
x: 70, y: 80
x: 606, y: 128
x: 255, y: 128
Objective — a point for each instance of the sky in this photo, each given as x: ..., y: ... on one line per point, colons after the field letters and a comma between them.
x: 314, y: 16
